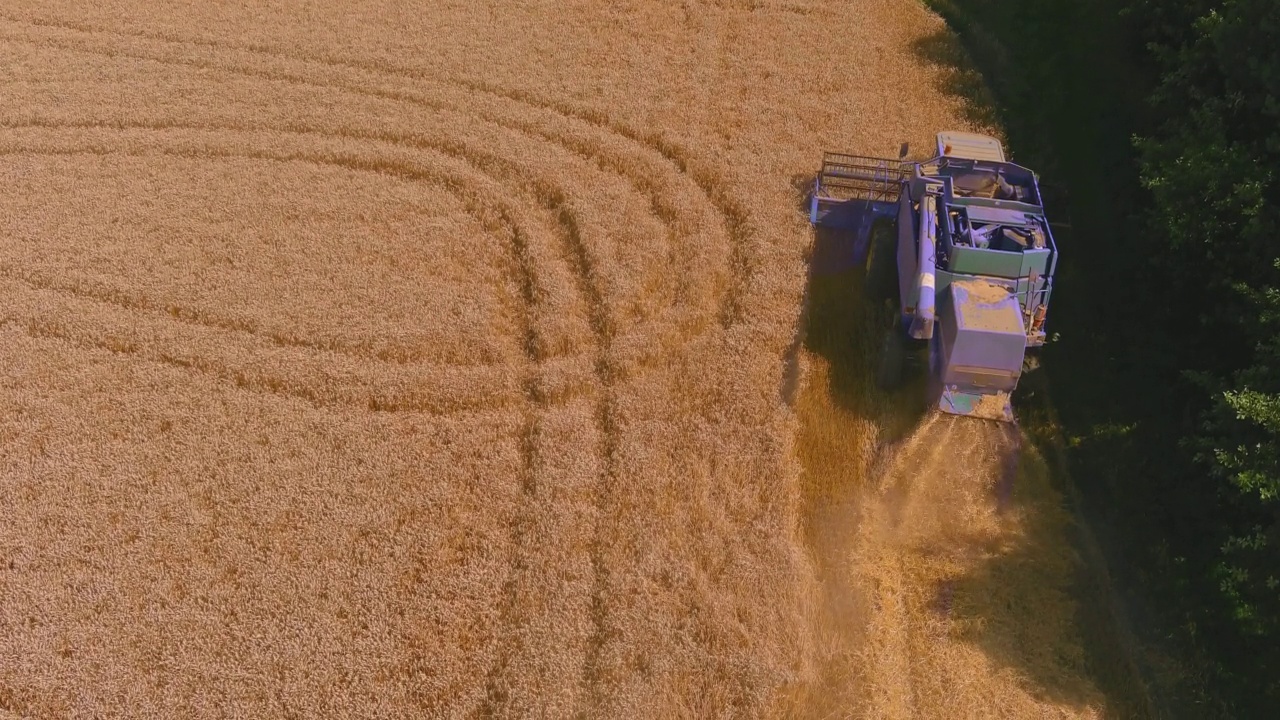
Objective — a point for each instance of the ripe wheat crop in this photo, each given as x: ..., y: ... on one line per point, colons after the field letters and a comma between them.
x: 374, y: 360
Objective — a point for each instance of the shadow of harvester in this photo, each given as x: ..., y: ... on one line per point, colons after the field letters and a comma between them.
x: 846, y: 328
x: 1011, y: 614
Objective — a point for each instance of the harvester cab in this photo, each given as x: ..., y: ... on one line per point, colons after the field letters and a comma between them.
x: 973, y: 257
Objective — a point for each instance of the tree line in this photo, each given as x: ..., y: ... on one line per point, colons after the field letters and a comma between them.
x: 1209, y: 164
x: 1162, y: 120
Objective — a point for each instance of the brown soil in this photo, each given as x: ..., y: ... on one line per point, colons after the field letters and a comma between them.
x: 955, y: 601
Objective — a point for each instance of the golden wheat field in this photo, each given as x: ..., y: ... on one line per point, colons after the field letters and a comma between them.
x: 466, y: 359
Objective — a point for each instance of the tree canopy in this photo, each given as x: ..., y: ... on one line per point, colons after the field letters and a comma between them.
x: 1213, y: 233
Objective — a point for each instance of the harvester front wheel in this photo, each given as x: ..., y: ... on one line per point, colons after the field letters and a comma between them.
x: 882, y: 264
x: 893, y: 353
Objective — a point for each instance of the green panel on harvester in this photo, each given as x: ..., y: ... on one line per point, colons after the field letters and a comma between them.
x: 977, y: 261
x: 1035, y: 261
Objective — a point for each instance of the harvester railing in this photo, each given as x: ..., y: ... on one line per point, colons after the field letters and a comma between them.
x: 1033, y: 314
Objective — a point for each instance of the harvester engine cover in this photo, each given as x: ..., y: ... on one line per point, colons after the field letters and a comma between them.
x: 979, y: 349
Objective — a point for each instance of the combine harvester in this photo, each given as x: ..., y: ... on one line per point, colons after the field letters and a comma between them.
x: 974, y: 263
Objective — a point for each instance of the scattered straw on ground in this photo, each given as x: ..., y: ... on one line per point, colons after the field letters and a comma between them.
x: 993, y: 405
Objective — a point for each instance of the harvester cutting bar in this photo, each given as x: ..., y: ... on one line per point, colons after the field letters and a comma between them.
x: 852, y: 186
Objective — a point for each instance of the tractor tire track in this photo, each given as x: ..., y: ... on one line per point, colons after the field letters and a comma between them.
x: 733, y: 214
x: 488, y: 165
x: 525, y: 280
x: 586, y: 271
x: 685, y: 332
x: 322, y: 385
x: 736, y: 218
x: 551, y: 199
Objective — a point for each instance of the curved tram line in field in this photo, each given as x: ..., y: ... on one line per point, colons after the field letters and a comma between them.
x: 650, y: 145
x: 654, y: 168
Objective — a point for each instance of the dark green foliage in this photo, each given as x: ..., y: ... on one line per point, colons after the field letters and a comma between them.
x: 1164, y: 24
x: 1211, y: 169
x: 1163, y: 122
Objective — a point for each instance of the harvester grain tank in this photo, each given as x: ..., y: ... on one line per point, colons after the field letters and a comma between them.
x: 972, y: 259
